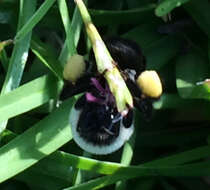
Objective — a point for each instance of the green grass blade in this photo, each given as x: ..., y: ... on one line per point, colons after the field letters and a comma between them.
x: 61, y: 162
x: 67, y: 26
x: 126, y: 159
x: 19, y: 54
x: 29, y: 96
x: 133, y: 16
x: 40, y: 13
x: 73, y: 35
x: 47, y: 56
x: 200, y: 169
x: 36, y: 143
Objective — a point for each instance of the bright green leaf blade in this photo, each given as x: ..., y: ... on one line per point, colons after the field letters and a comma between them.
x: 61, y: 161
x: 200, y: 169
x: 36, y: 143
x: 58, y: 163
x: 73, y: 34
x: 19, y: 54
x: 29, y: 96
x: 166, y: 6
x: 67, y: 23
x: 40, y: 13
x: 126, y: 159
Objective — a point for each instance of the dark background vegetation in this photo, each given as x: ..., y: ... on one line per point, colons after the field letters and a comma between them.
x: 169, y: 152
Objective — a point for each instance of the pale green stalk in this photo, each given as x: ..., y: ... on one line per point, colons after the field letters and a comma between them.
x: 105, y: 63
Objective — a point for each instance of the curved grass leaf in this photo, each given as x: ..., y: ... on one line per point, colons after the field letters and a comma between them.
x: 36, y: 143
x: 29, y: 96
x: 105, y: 17
x: 200, y: 169
x: 59, y: 163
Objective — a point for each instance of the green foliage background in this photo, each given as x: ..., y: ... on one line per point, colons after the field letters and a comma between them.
x: 169, y: 152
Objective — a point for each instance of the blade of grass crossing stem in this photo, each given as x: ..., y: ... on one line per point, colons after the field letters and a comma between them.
x: 191, y: 170
x: 126, y: 158
x: 40, y: 13
x: 61, y: 162
x: 78, y: 173
x: 42, y: 139
x: 19, y: 53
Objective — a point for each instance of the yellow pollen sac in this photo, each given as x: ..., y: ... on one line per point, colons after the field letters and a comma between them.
x: 74, y: 68
x: 150, y: 84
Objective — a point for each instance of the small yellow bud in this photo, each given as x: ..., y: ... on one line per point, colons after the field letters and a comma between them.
x: 74, y: 68
x: 150, y: 84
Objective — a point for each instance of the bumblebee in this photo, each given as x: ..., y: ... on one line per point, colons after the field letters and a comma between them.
x: 97, y: 126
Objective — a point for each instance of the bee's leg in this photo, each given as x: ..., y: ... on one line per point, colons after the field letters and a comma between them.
x: 80, y: 102
x: 82, y: 85
x: 128, y: 119
x: 144, y: 105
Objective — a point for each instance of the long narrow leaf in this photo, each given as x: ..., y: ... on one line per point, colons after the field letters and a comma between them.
x: 36, y: 143
x: 28, y: 96
x: 34, y: 19
x: 19, y: 53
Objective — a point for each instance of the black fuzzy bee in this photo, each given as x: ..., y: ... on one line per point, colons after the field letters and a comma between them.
x: 96, y: 125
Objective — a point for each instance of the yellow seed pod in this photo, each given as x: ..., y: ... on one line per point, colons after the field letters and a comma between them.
x: 74, y: 68
x: 150, y: 84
